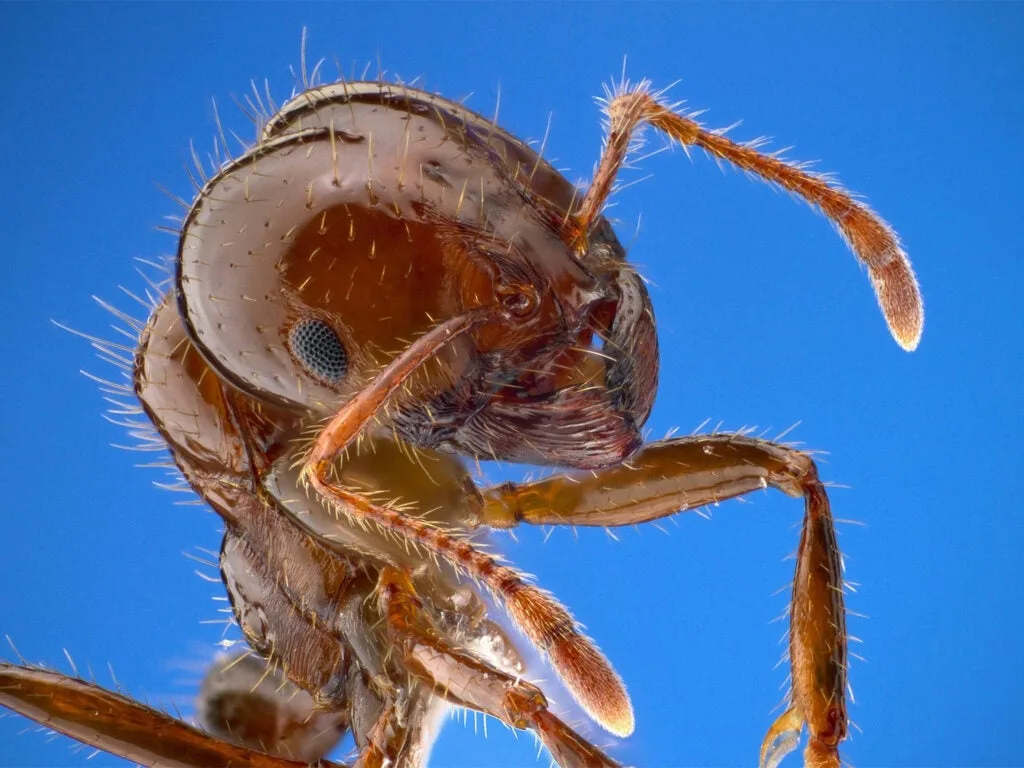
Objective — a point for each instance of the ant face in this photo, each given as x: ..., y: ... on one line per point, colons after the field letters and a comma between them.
x: 367, y: 215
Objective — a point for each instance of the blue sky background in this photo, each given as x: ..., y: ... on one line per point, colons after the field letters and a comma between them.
x: 764, y: 319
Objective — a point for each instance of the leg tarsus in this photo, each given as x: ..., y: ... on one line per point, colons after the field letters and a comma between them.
x: 820, y: 755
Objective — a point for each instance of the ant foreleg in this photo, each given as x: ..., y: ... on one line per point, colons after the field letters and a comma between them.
x: 549, y: 626
x: 583, y: 668
x: 673, y: 475
x: 466, y: 680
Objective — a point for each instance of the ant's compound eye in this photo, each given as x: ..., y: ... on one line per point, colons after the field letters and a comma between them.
x: 315, y: 344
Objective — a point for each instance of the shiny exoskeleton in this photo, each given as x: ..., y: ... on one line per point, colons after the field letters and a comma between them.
x: 384, y: 282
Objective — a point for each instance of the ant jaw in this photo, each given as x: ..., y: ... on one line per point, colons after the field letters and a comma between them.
x: 579, y: 427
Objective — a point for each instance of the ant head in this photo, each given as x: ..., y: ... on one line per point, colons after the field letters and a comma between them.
x: 367, y: 213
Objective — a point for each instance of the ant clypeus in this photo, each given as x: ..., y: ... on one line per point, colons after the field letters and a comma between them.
x: 383, y: 282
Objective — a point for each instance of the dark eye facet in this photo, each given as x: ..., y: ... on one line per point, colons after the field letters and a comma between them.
x: 315, y: 344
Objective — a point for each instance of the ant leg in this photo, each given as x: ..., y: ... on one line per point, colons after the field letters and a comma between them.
x: 464, y: 679
x: 396, y: 731
x: 674, y: 475
x: 120, y: 725
x: 385, y: 740
x: 550, y: 627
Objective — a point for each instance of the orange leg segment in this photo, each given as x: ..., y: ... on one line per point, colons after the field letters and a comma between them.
x: 546, y: 622
x: 673, y: 475
x: 468, y: 681
x: 120, y: 725
x: 550, y: 627
x: 385, y: 740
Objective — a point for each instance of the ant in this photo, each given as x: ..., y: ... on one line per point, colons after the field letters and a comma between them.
x: 383, y: 283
